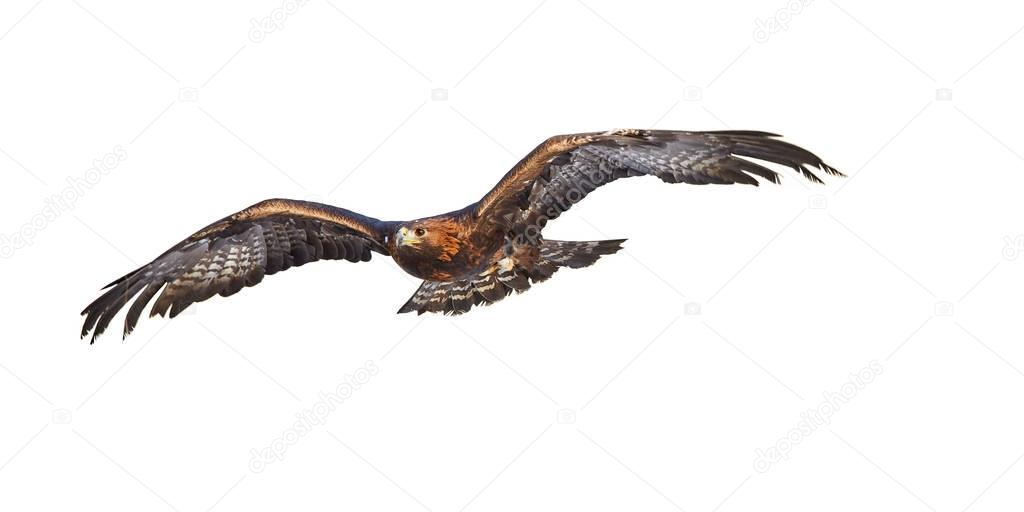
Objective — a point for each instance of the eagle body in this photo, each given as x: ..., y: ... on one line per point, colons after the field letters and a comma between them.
x: 449, y: 248
x: 474, y: 256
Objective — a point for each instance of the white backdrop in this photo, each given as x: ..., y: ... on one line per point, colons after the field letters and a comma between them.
x: 844, y: 347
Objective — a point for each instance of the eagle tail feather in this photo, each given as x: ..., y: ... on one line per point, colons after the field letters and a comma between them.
x: 458, y: 297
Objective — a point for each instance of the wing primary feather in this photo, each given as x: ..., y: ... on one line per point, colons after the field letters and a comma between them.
x: 134, y: 312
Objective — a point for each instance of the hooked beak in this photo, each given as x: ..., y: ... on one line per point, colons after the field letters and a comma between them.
x: 402, y: 238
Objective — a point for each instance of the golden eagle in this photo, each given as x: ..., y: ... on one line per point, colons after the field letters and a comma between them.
x: 477, y: 255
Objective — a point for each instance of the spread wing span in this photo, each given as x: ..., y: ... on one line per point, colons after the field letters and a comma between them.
x: 564, y: 169
x: 236, y: 252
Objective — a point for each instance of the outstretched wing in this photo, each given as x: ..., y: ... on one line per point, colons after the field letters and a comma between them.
x: 235, y: 252
x: 564, y: 169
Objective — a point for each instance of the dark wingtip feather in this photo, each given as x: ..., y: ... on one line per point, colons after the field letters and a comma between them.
x: 770, y: 148
x: 809, y: 174
x: 832, y: 170
x: 93, y: 312
x: 134, y: 312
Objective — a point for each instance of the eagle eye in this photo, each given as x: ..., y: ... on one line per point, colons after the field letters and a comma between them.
x: 420, y: 231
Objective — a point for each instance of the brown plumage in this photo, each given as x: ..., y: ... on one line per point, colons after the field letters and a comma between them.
x: 477, y: 255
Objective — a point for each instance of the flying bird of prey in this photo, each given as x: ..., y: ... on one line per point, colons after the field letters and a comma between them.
x: 477, y: 255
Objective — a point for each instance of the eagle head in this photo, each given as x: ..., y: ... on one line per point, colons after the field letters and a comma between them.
x: 428, y: 239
